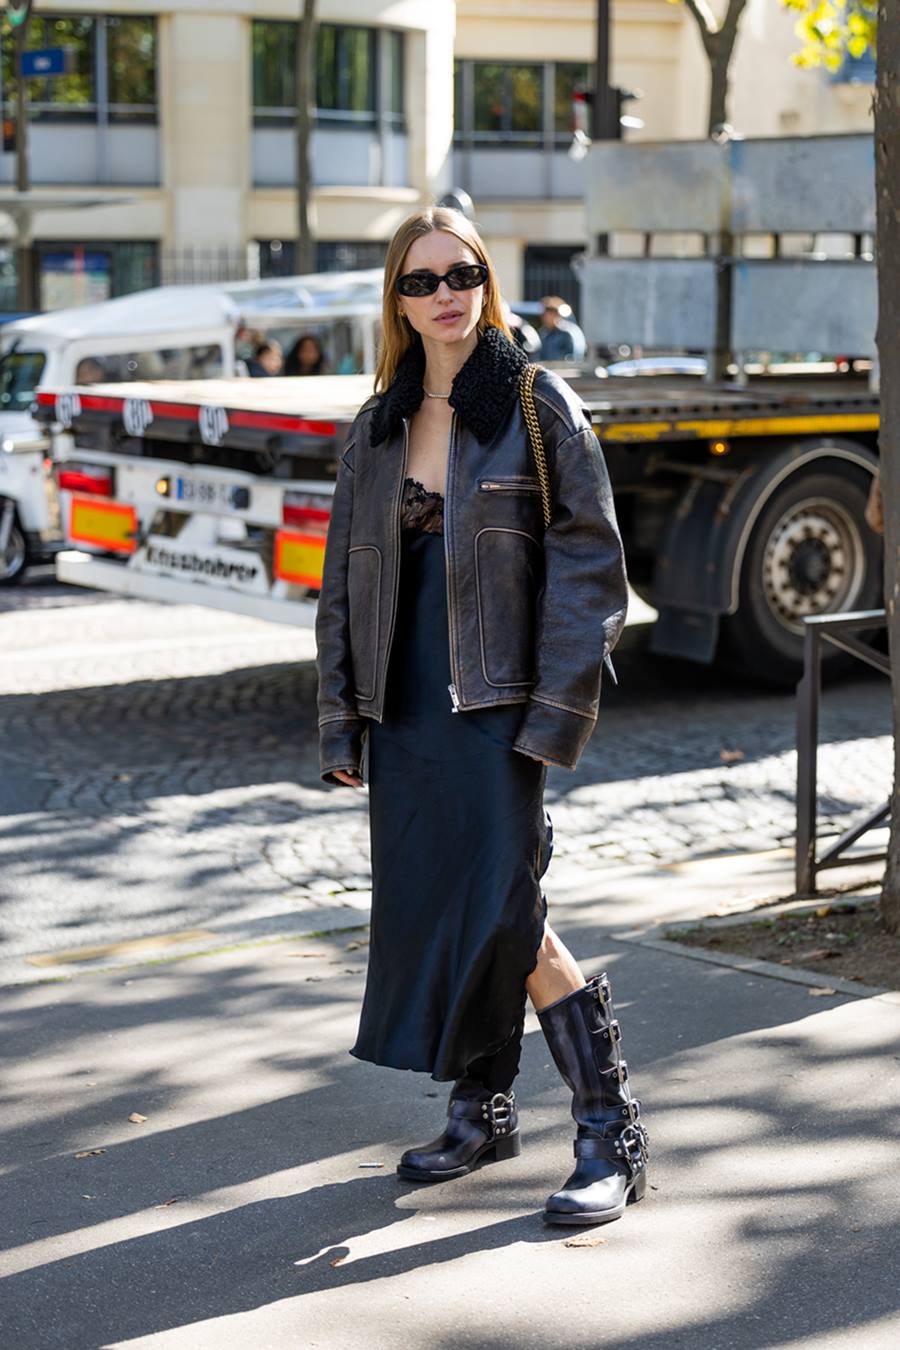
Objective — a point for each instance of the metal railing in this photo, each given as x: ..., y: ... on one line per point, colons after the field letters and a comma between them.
x: 838, y: 630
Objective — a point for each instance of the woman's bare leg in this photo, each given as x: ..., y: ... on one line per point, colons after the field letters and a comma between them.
x: 557, y: 972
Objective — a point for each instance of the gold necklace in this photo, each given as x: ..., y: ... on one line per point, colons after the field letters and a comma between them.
x: 429, y: 394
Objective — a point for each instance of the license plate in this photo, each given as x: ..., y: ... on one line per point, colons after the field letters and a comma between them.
x: 203, y: 492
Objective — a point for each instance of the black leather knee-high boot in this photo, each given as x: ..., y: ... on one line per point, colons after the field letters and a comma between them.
x: 482, y: 1121
x: 611, y: 1142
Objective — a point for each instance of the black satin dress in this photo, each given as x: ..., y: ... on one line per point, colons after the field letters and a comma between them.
x: 460, y: 841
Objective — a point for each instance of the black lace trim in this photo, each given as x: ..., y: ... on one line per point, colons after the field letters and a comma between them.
x: 421, y: 509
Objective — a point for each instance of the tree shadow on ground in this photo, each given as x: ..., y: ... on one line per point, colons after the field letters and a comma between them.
x: 724, y: 1064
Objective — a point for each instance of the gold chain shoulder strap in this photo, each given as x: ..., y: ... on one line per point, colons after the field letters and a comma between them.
x: 535, y: 439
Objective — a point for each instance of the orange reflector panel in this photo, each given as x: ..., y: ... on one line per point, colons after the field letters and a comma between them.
x: 104, y: 524
x: 299, y: 557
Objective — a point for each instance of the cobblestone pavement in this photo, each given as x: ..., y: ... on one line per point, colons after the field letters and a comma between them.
x: 158, y: 771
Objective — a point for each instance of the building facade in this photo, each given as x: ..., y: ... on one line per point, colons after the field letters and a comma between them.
x: 180, y: 118
x: 517, y: 63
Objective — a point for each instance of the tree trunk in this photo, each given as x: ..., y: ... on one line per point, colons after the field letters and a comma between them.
x: 718, y: 44
x: 28, y: 298
x: 887, y: 187
x: 305, y: 260
x: 719, y: 55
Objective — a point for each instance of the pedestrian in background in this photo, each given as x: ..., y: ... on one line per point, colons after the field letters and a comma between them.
x: 464, y: 641
x: 267, y: 360
x: 306, y: 357
x: 561, y: 338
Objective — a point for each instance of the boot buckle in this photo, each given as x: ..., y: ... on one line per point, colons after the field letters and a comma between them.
x: 618, y: 1071
x: 630, y: 1145
x: 498, y: 1112
x: 611, y: 1033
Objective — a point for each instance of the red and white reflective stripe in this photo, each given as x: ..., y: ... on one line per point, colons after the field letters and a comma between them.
x: 191, y: 412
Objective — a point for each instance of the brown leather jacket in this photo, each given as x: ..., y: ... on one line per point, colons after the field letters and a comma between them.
x: 533, y: 614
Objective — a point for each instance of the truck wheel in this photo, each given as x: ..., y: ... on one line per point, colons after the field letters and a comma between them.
x: 13, y: 557
x: 810, y: 552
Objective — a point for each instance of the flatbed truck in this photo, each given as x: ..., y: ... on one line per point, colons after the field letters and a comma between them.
x: 741, y: 506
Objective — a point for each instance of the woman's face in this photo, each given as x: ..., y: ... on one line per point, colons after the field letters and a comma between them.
x: 309, y: 352
x: 447, y: 316
x: 271, y: 359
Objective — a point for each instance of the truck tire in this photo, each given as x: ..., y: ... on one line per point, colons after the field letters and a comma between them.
x: 810, y: 552
x: 14, y: 558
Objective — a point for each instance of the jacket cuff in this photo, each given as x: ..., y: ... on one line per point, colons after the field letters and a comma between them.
x: 340, y: 747
x: 553, y: 733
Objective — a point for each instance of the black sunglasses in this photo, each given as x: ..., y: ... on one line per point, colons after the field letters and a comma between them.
x: 462, y: 277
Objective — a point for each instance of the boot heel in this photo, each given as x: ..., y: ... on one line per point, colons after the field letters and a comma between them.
x: 638, y: 1189
x: 508, y: 1147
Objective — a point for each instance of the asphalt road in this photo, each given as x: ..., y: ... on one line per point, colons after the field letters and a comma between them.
x: 158, y: 774
x: 191, y: 1160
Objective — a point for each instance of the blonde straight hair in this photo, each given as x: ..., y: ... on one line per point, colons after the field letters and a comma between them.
x: 397, y: 334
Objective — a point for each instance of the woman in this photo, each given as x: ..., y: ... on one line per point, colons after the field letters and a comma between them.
x: 267, y: 360
x: 465, y: 643
x: 306, y: 357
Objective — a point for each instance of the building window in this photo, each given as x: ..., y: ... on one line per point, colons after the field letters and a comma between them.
x: 348, y: 88
x: 83, y: 274
x: 345, y: 72
x: 507, y: 103
x: 131, y: 68
x: 396, y: 77
x: 114, y: 75
x: 569, y: 76
x: 70, y: 97
x: 855, y: 69
x: 503, y: 101
x: 276, y: 256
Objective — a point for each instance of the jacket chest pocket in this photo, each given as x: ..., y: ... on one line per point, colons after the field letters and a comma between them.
x: 508, y: 576
x: 364, y: 597
x: 511, y: 483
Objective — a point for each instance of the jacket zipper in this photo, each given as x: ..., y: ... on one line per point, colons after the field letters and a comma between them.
x: 509, y: 487
x: 453, y: 686
x: 397, y: 510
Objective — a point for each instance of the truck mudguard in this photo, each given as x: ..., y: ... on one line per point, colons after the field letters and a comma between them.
x: 698, y: 568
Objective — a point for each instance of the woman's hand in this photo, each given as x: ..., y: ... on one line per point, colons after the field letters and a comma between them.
x: 353, y: 780
x: 875, y: 506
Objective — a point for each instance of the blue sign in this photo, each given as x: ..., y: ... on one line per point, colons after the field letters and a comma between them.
x: 50, y: 61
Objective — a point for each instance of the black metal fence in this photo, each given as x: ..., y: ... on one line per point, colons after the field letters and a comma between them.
x: 197, y: 266
x: 841, y: 631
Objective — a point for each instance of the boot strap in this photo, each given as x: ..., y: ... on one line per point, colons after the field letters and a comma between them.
x: 599, y: 986
x: 497, y: 1112
x: 628, y: 1146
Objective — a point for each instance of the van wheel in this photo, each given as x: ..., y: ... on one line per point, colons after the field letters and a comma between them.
x: 810, y: 552
x: 13, y: 557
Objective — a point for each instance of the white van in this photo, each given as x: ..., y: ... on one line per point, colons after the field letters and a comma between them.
x: 175, y: 332
x: 169, y: 333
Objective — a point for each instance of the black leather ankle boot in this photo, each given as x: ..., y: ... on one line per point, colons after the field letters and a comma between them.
x: 478, y: 1128
x: 611, y: 1143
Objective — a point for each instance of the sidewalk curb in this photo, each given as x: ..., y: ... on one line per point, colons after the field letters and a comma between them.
x: 655, y: 939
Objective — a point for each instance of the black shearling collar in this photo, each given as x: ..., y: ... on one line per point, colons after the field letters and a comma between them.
x: 482, y: 393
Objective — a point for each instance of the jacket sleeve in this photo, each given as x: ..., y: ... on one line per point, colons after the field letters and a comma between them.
x: 340, y: 726
x: 581, y: 609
